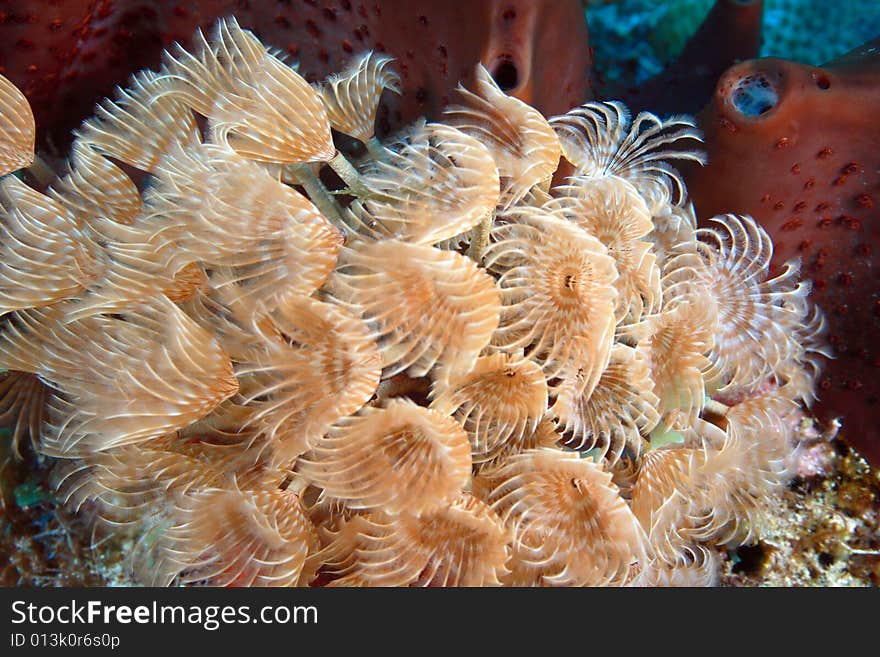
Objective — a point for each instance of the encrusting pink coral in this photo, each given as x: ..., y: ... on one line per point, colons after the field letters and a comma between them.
x: 436, y: 375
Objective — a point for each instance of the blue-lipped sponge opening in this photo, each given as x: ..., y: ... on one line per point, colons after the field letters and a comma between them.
x: 754, y: 95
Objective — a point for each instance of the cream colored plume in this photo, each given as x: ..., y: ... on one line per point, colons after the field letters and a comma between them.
x: 499, y: 402
x: 616, y: 413
x: 254, y: 102
x: 799, y: 373
x: 557, y: 284
x: 122, y: 378
x: 433, y: 183
x: 232, y: 537
x: 658, y: 498
x: 675, y: 348
x: 429, y: 307
x: 757, y: 315
x: 523, y: 144
x: 600, y: 139
x: 399, y: 458
x: 129, y: 264
x: 352, y: 96
x: 612, y: 210
x: 17, y: 129
x: 674, y: 234
x: 212, y: 206
x: 230, y: 322
x: 316, y: 363
x: 95, y: 187
x: 460, y: 544
x: 675, y: 559
x: 127, y: 485
x: 141, y: 124
x: 45, y: 255
x: 709, y: 489
x: 570, y: 525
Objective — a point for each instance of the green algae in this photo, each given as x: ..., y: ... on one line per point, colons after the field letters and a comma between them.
x: 662, y: 435
x: 31, y: 493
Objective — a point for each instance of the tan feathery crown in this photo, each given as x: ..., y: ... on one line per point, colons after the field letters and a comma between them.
x: 446, y: 373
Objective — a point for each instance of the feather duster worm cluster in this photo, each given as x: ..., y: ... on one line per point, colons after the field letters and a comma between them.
x: 445, y: 372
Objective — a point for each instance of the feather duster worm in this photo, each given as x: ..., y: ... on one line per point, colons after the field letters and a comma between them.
x: 673, y: 234
x: 676, y: 346
x: 445, y: 373
x: 798, y: 374
x: 429, y: 306
x: 462, y: 544
x: 351, y: 97
x: 17, y: 129
x: 213, y: 207
x: 499, y: 402
x: 44, y: 258
x: 400, y: 458
x: 601, y: 139
x: 159, y: 372
x: 557, y: 283
x: 255, y: 103
x: 616, y: 413
x: 95, y: 187
x: 129, y: 486
x: 430, y: 185
x: 675, y: 562
x: 756, y: 315
x: 321, y: 366
x: 611, y: 210
x: 570, y: 525
x: 523, y: 145
x: 233, y: 537
x: 141, y: 124
x: 710, y: 488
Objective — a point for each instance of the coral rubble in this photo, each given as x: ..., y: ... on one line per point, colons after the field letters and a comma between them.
x: 823, y: 529
x: 441, y: 370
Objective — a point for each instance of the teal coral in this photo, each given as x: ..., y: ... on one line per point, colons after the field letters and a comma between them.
x: 634, y: 39
x: 809, y: 32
